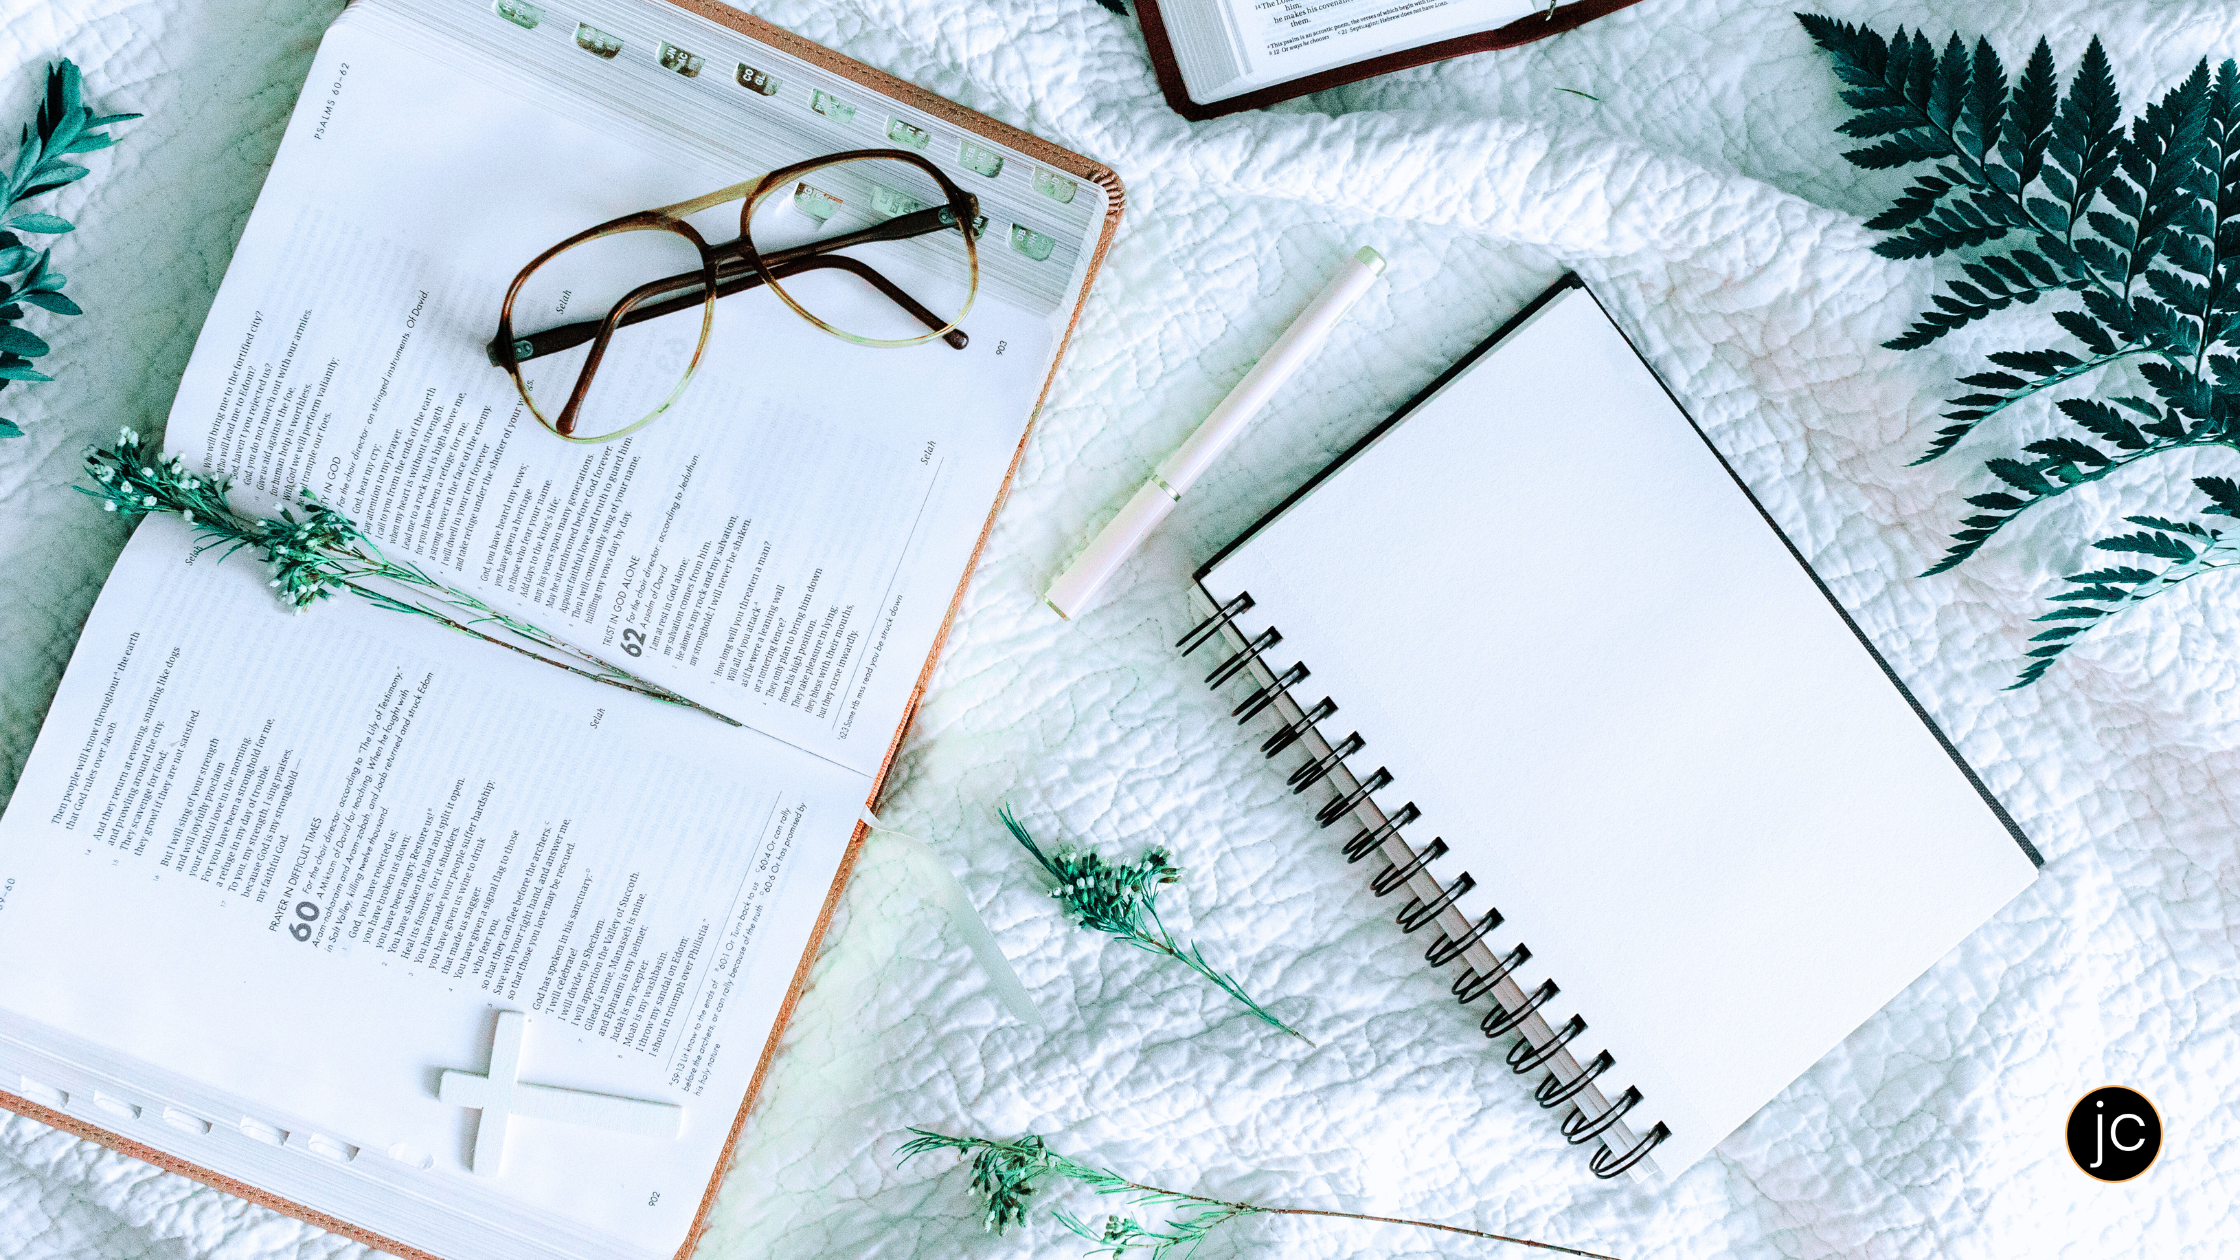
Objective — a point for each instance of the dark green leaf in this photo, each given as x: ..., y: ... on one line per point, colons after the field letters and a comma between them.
x: 2179, y: 292
x: 2062, y: 450
x: 2222, y: 492
x: 2022, y: 143
x: 2161, y: 545
x: 1985, y: 99
x: 1900, y: 150
x: 17, y: 341
x: 2182, y: 390
x: 1917, y: 201
x: 2104, y: 260
x: 2036, y: 362
x: 2104, y: 422
x: 2087, y: 330
x: 1994, y: 380
x: 1997, y: 500
x: 2019, y: 475
x: 1888, y: 120
x: 2170, y: 526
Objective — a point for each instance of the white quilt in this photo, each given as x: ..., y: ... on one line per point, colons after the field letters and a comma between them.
x: 1704, y: 197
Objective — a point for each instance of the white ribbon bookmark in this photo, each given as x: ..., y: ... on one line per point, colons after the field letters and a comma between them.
x: 949, y: 895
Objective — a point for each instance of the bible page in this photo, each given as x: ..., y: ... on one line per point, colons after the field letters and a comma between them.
x: 299, y: 863
x: 784, y: 543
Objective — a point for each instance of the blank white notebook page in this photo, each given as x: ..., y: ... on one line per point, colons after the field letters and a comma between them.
x: 1632, y: 714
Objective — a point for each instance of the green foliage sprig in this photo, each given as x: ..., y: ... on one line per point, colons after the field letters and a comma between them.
x: 1123, y: 901
x: 1007, y: 1174
x: 2135, y: 233
x: 64, y: 127
x: 322, y: 552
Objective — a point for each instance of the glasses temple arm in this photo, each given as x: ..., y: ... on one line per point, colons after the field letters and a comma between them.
x: 569, y: 336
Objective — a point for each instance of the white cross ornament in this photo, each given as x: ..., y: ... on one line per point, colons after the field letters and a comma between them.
x: 501, y: 1095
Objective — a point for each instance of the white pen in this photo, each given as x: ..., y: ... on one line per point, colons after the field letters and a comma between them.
x: 1075, y: 588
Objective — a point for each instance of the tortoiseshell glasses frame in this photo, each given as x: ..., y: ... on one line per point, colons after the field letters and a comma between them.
x: 734, y: 268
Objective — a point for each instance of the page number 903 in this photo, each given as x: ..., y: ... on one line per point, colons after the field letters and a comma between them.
x: 306, y: 914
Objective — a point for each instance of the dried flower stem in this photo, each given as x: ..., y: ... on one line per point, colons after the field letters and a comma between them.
x: 1006, y: 1174
x: 1122, y: 901
x: 324, y: 552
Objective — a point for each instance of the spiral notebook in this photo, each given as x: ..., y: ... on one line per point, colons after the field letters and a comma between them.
x: 1663, y: 812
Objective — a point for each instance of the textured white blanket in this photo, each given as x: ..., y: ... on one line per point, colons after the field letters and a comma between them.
x: 1703, y: 196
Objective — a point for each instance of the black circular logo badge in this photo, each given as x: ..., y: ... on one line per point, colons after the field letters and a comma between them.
x: 2114, y: 1133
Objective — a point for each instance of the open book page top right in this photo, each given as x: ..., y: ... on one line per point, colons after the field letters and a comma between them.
x: 1688, y: 782
x: 1231, y: 45
x: 1216, y: 57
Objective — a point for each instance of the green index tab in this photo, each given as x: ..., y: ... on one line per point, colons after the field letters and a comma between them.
x: 755, y: 80
x: 597, y: 42
x: 683, y: 62
x: 980, y: 159
x: 904, y: 136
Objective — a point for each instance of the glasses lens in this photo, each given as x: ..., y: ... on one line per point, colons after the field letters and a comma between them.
x: 656, y: 275
x: 875, y: 291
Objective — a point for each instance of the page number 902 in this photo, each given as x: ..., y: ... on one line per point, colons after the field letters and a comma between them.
x: 306, y: 914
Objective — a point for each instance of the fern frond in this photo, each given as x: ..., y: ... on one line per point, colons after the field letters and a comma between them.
x: 2047, y: 368
x: 2029, y: 123
x: 2162, y: 160
x: 2105, y: 594
x: 1986, y: 106
x: 1995, y: 282
x: 2087, y: 131
x: 2063, y: 464
x: 2141, y: 220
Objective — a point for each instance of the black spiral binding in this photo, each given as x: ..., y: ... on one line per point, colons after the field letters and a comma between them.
x: 1553, y: 1054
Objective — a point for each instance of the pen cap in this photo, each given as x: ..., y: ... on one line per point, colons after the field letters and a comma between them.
x: 1297, y: 344
x: 1077, y: 587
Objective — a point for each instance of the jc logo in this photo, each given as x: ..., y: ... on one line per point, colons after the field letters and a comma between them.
x: 2114, y: 1133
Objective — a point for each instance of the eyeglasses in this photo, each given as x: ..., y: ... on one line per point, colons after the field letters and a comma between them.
x: 636, y: 345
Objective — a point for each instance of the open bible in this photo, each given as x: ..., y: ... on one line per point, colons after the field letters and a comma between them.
x: 1216, y: 57
x: 265, y: 880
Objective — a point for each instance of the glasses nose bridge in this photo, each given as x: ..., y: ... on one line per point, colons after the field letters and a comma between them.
x: 733, y: 192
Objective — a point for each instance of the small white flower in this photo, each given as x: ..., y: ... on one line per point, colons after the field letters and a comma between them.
x: 126, y: 437
x: 186, y: 516
x: 147, y: 500
x: 108, y: 505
